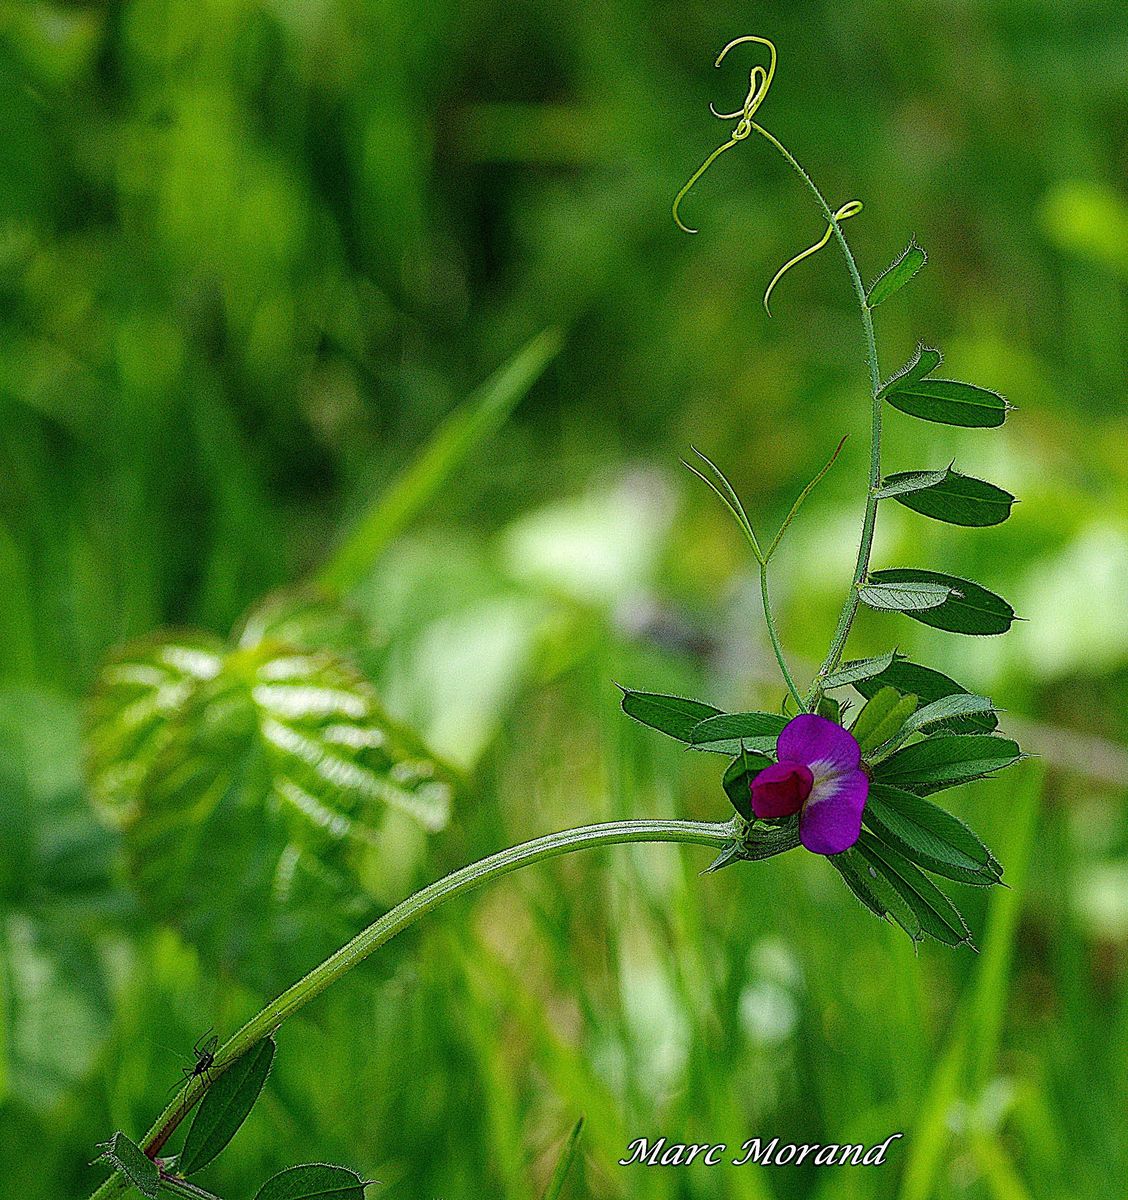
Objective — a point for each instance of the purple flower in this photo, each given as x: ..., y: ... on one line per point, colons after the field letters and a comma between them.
x: 818, y: 775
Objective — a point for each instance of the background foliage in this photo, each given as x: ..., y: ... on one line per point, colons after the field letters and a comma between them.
x: 252, y: 253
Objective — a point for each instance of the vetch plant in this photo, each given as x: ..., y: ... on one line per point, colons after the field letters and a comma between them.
x: 857, y: 795
x: 276, y: 739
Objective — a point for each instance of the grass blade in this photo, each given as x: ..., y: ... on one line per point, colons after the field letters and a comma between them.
x: 564, y: 1162
x: 470, y: 425
x: 968, y: 1059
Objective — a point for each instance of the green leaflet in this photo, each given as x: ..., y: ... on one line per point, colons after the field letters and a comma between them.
x: 949, y: 496
x: 313, y: 1181
x: 935, y: 715
x: 909, y: 596
x: 929, y: 685
x: 930, y: 836
x: 969, y: 608
x: 946, y: 760
x: 794, y: 510
x: 941, y: 711
x: 674, y: 716
x: 949, y: 402
x: 128, y: 1158
x: 909, y: 481
x: 849, y: 865
x: 875, y: 891
x: 882, y: 718
x: 141, y: 689
x: 726, y: 732
x: 726, y: 493
x: 859, y: 669
x: 922, y: 364
x: 897, y: 274
x: 225, y: 1106
x: 938, y: 916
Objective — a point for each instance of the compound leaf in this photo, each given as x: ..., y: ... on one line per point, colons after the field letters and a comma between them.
x: 251, y: 783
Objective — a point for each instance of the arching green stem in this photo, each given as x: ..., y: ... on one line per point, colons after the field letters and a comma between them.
x: 702, y: 833
x: 869, y: 520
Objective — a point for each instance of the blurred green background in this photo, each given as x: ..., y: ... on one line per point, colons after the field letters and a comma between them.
x: 254, y: 252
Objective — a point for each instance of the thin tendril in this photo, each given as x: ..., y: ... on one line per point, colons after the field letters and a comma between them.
x: 759, y: 81
x: 694, y: 178
x: 850, y: 209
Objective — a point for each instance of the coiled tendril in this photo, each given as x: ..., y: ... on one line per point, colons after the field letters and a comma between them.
x: 759, y: 81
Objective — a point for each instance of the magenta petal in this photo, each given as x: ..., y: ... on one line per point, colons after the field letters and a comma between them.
x: 779, y: 790
x: 825, y: 747
x: 832, y: 817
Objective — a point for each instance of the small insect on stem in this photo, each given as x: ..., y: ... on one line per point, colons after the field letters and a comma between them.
x: 204, y: 1053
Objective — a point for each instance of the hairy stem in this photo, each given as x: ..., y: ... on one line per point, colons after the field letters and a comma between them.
x: 407, y: 912
x: 869, y: 521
